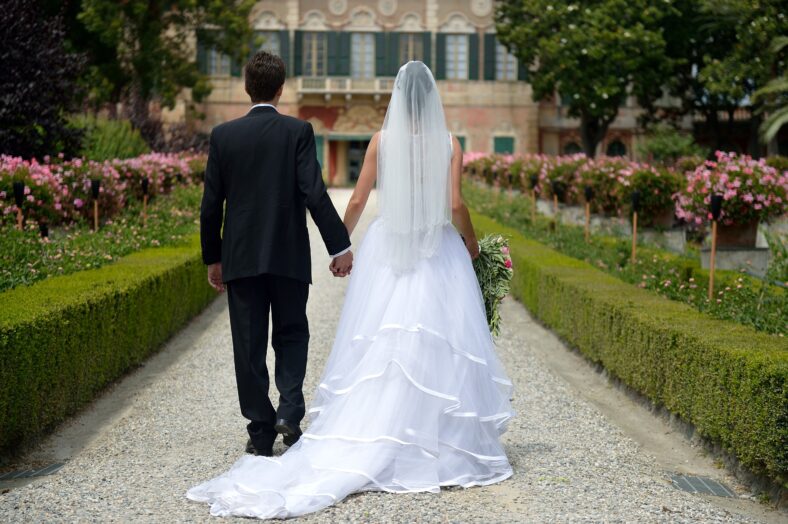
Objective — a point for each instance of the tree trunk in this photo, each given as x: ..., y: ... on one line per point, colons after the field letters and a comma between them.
x: 592, y: 131
x: 137, y: 109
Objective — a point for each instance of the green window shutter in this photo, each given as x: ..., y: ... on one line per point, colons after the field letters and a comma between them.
x: 284, y: 49
x: 344, y: 54
x: 333, y: 53
x: 427, y: 36
x: 254, y: 43
x: 489, y: 56
x: 202, y: 62
x: 298, y: 54
x: 380, y: 54
x: 393, y: 54
x: 503, y: 144
x: 522, y: 71
x: 319, y: 148
x: 235, y: 67
x: 473, y: 55
x: 440, y: 58
x: 461, y: 140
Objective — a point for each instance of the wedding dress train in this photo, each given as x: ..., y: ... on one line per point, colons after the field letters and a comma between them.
x: 413, y: 396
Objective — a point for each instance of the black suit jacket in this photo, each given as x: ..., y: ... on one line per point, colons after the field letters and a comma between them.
x: 264, y: 166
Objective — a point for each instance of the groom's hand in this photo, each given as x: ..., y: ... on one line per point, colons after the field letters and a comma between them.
x: 215, y: 276
x: 342, y: 265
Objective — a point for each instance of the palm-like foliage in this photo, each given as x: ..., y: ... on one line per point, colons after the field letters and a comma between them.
x: 774, y: 97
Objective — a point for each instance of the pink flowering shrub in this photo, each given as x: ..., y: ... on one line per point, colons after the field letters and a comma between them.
x: 608, y: 177
x: 523, y: 168
x: 563, y: 170
x: 59, y: 191
x: 751, y: 190
x: 658, y: 187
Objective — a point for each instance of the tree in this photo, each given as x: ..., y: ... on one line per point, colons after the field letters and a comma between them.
x: 152, y: 48
x: 593, y: 53
x: 38, y: 84
x: 665, y: 144
x: 775, y: 96
x: 719, y: 49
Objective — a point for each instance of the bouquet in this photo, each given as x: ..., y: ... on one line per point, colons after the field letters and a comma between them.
x: 493, y: 268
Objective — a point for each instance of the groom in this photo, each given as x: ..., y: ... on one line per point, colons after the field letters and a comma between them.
x: 262, y: 176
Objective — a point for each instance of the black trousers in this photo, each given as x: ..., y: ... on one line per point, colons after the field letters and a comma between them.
x: 250, y: 301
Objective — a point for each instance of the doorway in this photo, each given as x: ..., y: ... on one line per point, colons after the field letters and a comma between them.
x: 355, y: 158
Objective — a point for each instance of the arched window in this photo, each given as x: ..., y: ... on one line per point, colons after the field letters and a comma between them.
x: 616, y: 148
x: 571, y: 148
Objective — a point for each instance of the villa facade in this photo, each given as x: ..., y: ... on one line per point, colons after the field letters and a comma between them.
x: 342, y: 57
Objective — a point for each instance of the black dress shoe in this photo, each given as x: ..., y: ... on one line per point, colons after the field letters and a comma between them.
x: 252, y: 450
x: 290, y: 432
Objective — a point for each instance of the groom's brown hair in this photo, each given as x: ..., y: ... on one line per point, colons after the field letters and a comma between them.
x: 265, y: 74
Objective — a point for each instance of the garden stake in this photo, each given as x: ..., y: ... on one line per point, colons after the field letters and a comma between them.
x: 716, y: 207
x: 145, y: 185
x: 95, y: 184
x: 43, y: 227
x: 589, y: 193
x: 534, y: 181
x: 558, y: 190
x: 635, y: 208
x: 19, y: 198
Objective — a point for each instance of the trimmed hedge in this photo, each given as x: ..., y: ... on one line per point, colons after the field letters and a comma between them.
x: 64, y: 339
x: 729, y: 381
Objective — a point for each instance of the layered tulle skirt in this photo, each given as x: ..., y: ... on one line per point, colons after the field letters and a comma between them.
x: 413, y: 396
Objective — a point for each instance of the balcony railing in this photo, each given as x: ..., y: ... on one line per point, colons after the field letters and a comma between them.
x: 345, y: 85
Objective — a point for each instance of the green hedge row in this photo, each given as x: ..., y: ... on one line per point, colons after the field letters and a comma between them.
x: 728, y: 380
x: 64, y: 339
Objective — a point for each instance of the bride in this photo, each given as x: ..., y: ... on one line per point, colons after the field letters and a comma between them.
x: 413, y: 396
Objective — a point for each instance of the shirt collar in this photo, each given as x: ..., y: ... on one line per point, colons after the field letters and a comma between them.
x: 265, y: 105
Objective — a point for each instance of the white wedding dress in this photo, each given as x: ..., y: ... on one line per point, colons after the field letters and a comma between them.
x: 413, y: 396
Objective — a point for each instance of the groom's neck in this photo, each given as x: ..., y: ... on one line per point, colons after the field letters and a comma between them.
x: 273, y: 102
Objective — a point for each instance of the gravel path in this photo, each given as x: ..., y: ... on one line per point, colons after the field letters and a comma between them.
x: 181, y: 425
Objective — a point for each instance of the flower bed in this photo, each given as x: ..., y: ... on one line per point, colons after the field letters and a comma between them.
x: 738, y: 297
x: 58, y: 191
x: 25, y: 258
x: 752, y: 190
x: 727, y: 380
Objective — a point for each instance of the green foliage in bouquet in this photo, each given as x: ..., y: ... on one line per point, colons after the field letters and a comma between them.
x: 493, y: 268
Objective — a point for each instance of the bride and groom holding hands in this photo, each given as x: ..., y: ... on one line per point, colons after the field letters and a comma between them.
x: 413, y: 396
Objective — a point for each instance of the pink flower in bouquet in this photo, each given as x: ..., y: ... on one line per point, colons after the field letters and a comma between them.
x: 505, y: 250
x: 508, y: 263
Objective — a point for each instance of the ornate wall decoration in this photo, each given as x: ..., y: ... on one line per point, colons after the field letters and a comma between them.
x: 337, y: 7
x: 410, y: 23
x: 387, y: 7
x: 363, y: 19
x: 503, y: 127
x: 457, y: 23
x: 267, y: 21
x: 359, y: 119
x: 481, y: 7
x: 318, y: 125
x: 314, y: 21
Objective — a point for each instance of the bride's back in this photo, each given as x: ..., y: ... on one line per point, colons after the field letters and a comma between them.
x: 414, y: 160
